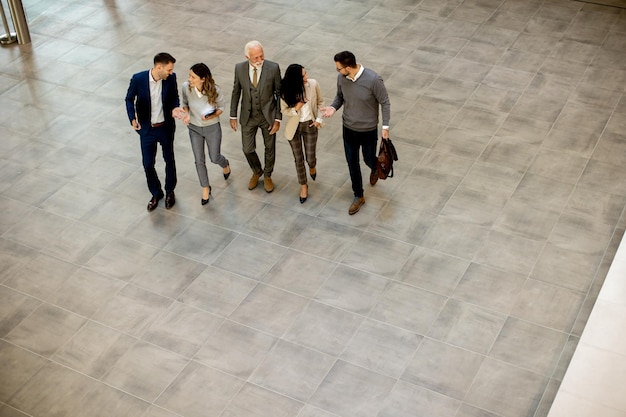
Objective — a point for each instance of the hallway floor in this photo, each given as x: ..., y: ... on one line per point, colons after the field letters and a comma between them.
x: 460, y: 289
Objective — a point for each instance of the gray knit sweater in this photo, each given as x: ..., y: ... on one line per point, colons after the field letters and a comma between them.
x: 200, y: 105
x: 361, y: 100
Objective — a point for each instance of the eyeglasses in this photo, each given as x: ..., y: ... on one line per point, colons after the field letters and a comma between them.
x: 340, y: 68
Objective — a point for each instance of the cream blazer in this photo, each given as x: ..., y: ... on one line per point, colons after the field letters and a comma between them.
x: 314, y: 97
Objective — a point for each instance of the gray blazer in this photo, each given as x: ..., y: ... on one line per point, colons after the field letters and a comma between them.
x: 269, y: 90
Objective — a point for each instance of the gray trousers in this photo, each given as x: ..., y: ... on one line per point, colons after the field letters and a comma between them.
x: 248, y: 139
x: 212, y: 136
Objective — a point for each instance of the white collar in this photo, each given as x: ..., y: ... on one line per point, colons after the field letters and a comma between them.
x: 358, y: 74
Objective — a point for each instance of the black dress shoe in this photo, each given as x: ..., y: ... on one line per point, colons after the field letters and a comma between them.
x: 154, y: 202
x: 205, y: 202
x: 170, y: 200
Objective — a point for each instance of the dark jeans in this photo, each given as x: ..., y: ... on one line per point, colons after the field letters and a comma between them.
x: 352, y: 141
x: 149, y: 141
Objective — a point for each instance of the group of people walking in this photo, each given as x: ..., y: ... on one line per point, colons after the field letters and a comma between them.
x: 260, y: 99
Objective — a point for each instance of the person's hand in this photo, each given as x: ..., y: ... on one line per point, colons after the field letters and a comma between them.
x: 385, y: 133
x: 186, y: 119
x: 179, y: 113
x: 316, y: 124
x: 212, y: 115
x: 328, y: 111
x: 233, y: 124
x: 275, y: 127
x: 136, y: 124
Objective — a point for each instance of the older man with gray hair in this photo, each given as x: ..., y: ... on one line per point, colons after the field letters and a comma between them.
x: 257, y: 85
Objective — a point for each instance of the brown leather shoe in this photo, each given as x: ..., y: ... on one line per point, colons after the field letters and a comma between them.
x: 268, y: 184
x: 170, y: 200
x: 154, y: 202
x: 254, y: 181
x: 356, y: 205
x: 373, y: 178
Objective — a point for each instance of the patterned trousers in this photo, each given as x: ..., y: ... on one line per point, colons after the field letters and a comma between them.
x: 305, y: 137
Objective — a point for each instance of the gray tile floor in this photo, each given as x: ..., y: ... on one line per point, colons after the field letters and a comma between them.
x: 460, y: 289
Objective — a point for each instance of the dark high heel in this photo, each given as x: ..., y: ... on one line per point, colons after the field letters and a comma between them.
x: 313, y: 174
x: 205, y: 202
x: 228, y: 173
x: 303, y: 199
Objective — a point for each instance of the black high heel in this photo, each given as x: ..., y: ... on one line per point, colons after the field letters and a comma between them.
x: 313, y: 174
x: 227, y: 174
x: 205, y: 202
x: 303, y: 199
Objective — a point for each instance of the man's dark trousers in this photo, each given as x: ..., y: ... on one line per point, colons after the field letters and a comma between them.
x: 352, y: 141
x: 149, y: 141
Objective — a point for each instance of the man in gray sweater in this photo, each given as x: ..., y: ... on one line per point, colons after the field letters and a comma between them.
x: 361, y: 92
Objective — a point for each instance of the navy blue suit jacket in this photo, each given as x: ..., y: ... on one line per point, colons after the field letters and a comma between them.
x: 138, y: 101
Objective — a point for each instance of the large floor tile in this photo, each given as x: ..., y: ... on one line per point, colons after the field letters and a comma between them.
x: 145, y: 371
x: 382, y: 348
x: 195, y: 382
x: 56, y: 388
x: 258, y: 402
x: 443, y: 368
x: 182, y: 329
x: 17, y: 366
x: 269, y: 309
x: 467, y: 326
x: 132, y: 310
x: 505, y: 396
x: 235, y: 349
x: 94, y: 349
x: 45, y: 330
x: 292, y: 370
x: 350, y: 390
x: 324, y: 328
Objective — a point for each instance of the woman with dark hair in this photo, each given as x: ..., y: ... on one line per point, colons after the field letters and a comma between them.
x: 300, y: 101
x: 203, y: 103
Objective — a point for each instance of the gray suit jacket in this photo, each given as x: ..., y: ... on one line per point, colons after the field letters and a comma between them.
x: 269, y: 90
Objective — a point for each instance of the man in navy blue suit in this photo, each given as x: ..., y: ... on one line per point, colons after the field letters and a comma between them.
x: 151, y: 102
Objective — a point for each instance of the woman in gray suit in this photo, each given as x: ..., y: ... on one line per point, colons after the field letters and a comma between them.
x: 300, y: 101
